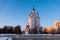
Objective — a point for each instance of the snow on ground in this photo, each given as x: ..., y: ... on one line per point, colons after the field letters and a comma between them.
x: 5, y: 38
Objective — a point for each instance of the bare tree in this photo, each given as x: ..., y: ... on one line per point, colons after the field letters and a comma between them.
x: 17, y: 30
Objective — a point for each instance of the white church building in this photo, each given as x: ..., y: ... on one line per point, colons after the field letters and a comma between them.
x: 33, y: 20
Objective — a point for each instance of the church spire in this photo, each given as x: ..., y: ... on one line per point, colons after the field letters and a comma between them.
x: 33, y: 7
x: 33, y: 11
x: 37, y: 13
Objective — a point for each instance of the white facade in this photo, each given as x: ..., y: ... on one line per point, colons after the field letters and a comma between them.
x: 34, y: 19
x: 29, y: 21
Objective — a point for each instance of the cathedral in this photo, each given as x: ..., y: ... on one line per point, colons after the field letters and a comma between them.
x: 33, y: 21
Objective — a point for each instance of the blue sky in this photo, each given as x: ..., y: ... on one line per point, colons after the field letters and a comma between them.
x: 16, y: 12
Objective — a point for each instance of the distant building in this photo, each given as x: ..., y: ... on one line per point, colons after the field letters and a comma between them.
x: 33, y: 21
x: 56, y: 26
